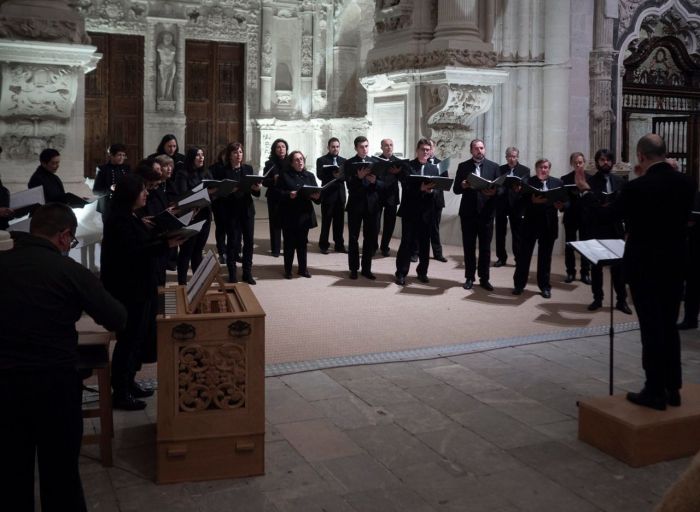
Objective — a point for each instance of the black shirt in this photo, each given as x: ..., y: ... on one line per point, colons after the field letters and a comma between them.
x: 43, y: 294
x: 53, y: 186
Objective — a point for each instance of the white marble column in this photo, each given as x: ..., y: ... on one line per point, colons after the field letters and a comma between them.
x: 457, y: 26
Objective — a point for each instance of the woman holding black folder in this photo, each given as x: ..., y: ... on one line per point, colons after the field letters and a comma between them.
x: 185, y: 180
x: 128, y: 264
x: 298, y: 215
x: 238, y: 212
x: 272, y: 170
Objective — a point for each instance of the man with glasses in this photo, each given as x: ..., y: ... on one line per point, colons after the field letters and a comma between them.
x: 43, y: 294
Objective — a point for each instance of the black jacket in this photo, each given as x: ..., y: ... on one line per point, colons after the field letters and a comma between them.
x: 363, y: 195
x: 597, y: 227
x: 417, y: 205
x: 43, y: 294
x: 298, y: 212
x: 239, y: 203
x: 53, y: 186
x: 475, y: 204
x: 336, y: 191
x: 507, y: 198
x: 186, y: 181
x: 539, y: 219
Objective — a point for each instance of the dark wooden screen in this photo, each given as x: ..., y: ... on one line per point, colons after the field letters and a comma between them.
x: 213, y: 96
x: 114, y: 100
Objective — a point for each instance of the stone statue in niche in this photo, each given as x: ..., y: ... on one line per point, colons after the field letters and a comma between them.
x: 167, y: 68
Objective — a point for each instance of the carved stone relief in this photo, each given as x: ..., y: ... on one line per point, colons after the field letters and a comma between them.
x: 450, y: 57
x: 166, y: 69
x: 30, y: 90
x: 266, y: 57
x: 212, y: 377
x: 55, y: 31
x: 306, y: 55
x: 122, y: 16
x: 393, y: 15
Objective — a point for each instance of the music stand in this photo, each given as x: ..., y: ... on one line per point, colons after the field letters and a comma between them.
x: 604, y: 253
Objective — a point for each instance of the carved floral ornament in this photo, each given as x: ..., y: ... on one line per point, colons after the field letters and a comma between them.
x: 671, y: 22
x: 55, y: 31
x: 455, y: 104
x: 212, y: 377
x: 451, y: 57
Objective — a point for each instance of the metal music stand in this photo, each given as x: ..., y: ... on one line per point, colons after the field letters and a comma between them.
x: 604, y: 253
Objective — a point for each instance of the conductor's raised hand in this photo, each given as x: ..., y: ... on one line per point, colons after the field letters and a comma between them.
x: 580, y: 179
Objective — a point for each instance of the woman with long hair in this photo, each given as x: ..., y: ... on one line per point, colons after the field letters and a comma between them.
x: 298, y: 215
x: 186, y: 179
x: 128, y: 270
x: 272, y: 170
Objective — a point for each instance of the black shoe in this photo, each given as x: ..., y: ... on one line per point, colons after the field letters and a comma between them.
x: 484, y: 283
x: 341, y: 249
x: 596, y: 304
x: 546, y: 293
x: 248, y: 278
x: 386, y: 252
x: 369, y: 275
x: 673, y: 397
x: 324, y: 251
x: 414, y: 258
x: 287, y: 275
x: 586, y: 279
x: 400, y: 280
x: 222, y: 258
x: 423, y: 278
x: 569, y: 278
x: 468, y: 284
x: 517, y: 291
x: 275, y: 254
x: 353, y: 274
x: 139, y: 392
x: 232, y: 278
x: 685, y: 325
x: 127, y: 402
x: 622, y: 306
x: 500, y: 263
x: 441, y: 258
x: 305, y: 273
x: 646, y: 399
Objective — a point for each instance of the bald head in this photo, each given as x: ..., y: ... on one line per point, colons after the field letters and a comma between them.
x: 651, y: 149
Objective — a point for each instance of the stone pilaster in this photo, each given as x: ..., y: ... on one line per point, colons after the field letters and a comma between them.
x: 602, y: 115
x: 45, y: 56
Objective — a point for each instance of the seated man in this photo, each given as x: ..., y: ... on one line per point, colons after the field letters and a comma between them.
x: 43, y: 294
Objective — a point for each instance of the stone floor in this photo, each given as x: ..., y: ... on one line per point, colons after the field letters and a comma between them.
x: 490, y: 431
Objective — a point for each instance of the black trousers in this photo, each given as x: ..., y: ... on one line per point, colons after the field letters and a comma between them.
x: 275, y: 220
x: 219, y: 227
x: 435, y: 233
x: 545, y: 245
x: 135, y: 344
x: 657, y: 302
x: 190, y: 253
x: 295, y: 240
x: 332, y: 212
x: 692, y: 281
x: 473, y: 229
x: 502, y: 219
x: 618, y: 282
x: 42, y: 418
x: 367, y: 222
x: 414, y: 232
x: 389, y: 212
x: 239, y: 229
x: 572, y: 233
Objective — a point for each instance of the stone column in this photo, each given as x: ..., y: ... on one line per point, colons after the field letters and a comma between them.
x: 307, y: 63
x: 457, y: 26
x: 266, y: 60
x: 45, y: 53
x: 602, y: 116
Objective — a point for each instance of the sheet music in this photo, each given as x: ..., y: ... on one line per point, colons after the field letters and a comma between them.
x: 600, y: 251
x: 20, y: 225
x: 201, y: 193
x: 186, y: 218
x: 200, y: 276
x: 27, y: 197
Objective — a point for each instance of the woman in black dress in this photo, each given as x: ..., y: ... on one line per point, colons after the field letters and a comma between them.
x: 298, y: 215
x: 128, y: 264
x: 272, y: 169
x: 185, y: 180
x: 107, y: 176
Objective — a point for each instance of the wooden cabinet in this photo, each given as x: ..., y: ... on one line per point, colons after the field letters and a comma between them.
x: 211, y: 387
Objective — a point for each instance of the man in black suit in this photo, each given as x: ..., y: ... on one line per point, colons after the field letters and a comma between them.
x: 507, y: 208
x: 605, y: 186
x: 417, y: 214
x: 541, y: 225
x: 389, y: 196
x: 476, y: 211
x: 362, y: 207
x: 655, y: 209
x: 333, y: 198
x: 435, y: 242
x: 573, y: 224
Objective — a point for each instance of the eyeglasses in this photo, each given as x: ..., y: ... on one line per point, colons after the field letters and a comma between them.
x: 73, y: 241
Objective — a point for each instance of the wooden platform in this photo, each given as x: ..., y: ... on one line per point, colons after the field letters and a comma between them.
x: 638, y: 435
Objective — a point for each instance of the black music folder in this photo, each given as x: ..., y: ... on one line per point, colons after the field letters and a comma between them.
x: 307, y: 190
x: 479, y: 183
x: 553, y: 195
x: 441, y: 182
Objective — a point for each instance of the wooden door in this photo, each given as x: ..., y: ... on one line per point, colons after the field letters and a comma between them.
x: 114, y: 100
x: 213, y: 96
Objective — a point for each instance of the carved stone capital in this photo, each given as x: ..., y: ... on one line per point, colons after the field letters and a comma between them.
x: 454, y: 104
x: 437, y: 58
